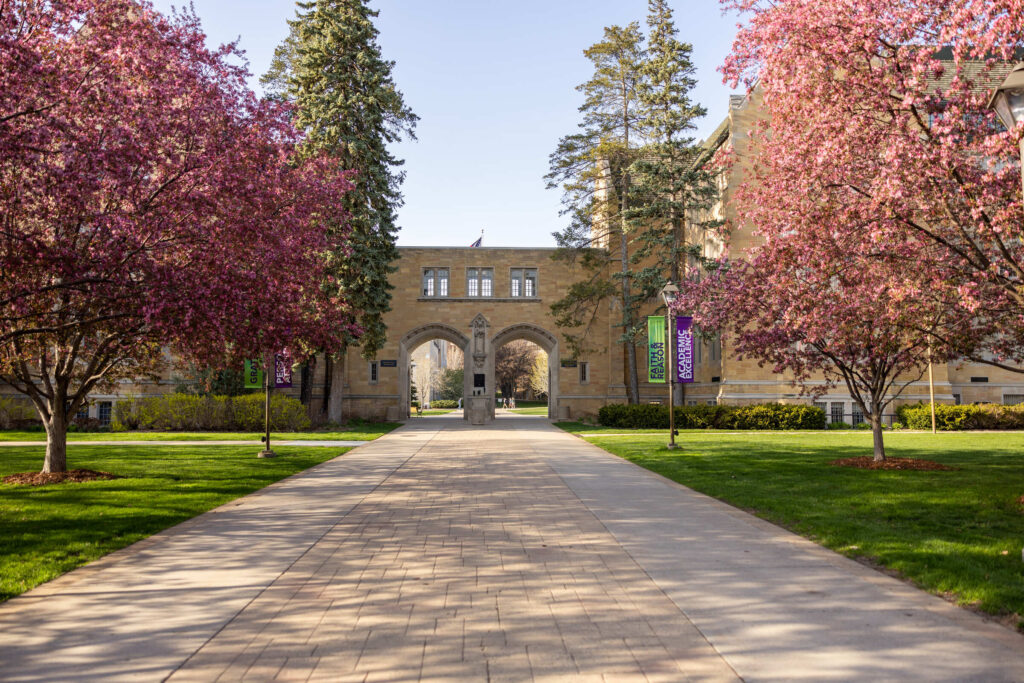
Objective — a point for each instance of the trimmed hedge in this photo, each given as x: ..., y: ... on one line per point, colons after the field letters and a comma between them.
x: 768, y: 416
x: 961, y: 418
x: 444, y: 404
x: 186, y: 413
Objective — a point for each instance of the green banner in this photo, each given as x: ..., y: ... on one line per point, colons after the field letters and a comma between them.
x: 656, y: 349
x: 253, y: 374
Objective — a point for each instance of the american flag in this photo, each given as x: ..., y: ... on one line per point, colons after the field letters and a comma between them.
x: 479, y: 241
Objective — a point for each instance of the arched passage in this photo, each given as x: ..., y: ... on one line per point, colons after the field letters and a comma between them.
x: 412, y: 340
x: 547, y: 342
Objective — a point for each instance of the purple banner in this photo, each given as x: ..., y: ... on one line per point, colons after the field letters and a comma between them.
x: 684, y: 350
x: 282, y: 371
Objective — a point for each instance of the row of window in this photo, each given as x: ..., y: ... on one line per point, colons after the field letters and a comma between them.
x: 836, y: 412
x: 480, y: 282
x: 104, y: 410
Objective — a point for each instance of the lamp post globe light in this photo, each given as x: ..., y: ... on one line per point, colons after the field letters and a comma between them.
x: 1008, y: 103
x: 669, y: 293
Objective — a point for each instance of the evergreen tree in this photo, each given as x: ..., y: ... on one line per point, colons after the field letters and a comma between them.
x: 330, y: 66
x: 673, y: 182
x: 633, y: 179
x: 671, y: 179
x: 594, y: 168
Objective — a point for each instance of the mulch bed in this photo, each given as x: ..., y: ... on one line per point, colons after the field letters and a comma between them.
x: 868, y: 463
x: 41, y: 478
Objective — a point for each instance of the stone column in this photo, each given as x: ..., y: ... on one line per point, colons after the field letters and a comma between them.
x: 481, y: 398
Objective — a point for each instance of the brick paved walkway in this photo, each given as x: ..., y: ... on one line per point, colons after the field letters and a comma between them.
x: 473, y: 561
x: 444, y: 552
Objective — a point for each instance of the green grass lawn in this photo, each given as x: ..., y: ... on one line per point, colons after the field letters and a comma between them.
x: 432, y: 412
x: 945, y: 531
x: 48, y: 530
x: 541, y: 410
x: 363, y: 432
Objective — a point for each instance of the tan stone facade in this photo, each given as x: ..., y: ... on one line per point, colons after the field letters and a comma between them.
x: 508, y: 309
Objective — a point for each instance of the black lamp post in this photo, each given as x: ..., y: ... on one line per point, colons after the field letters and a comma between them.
x: 668, y: 294
x: 269, y: 367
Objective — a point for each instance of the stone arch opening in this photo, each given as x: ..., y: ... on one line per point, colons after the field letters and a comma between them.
x: 413, y: 340
x: 548, y: 344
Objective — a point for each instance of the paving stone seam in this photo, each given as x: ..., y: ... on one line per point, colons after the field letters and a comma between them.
x: 305, y: 552
x: 541, y: 458
x: 982, y: 624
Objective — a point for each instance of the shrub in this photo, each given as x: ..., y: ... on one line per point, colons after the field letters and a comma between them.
x: 643, y: 416
x: 840, y: 425
x: 17, y: 413
x: 768, y: 416
x: 184, y: 412
x: 778, y: 416
x: 87, y: 424
x: 444, y: 404
x: 959, y: 418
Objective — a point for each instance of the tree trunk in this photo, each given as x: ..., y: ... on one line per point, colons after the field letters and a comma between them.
x: 328, y: 376
x: 56, y: 441
x: 334, y: 412
x: 876, y: 433
x: 306, y: 381
x: 632, y: 383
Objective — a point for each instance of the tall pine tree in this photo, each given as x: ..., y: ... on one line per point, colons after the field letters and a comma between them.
x: 674, y: 185
x: 593, y: 167
x: 330, y: 66
x: 633, y: 179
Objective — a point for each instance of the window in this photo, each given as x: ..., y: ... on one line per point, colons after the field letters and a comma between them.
x: 821, y: 406
x: 479, y: 281
x: 83, y: 412
x: 374, y: 371
x: 104, y: 413
x: 837, y: 412
x: 435, y: 282
x: 524, y: 282
x: 956, y: 399
x: 712, y: 403
x: 1010, y: 399
x: 691, y: 403
x: 584, y: 373
x: 858, y: 415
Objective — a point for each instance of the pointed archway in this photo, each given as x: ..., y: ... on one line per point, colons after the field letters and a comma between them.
x: 411, y: 341
x: 547, y: 342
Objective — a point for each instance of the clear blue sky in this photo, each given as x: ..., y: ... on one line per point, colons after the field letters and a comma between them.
x: 494, y: 86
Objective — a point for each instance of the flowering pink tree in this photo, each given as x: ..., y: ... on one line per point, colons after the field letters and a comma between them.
x: 812, y: 305
x: 147, y: 201
x: 865, y: 112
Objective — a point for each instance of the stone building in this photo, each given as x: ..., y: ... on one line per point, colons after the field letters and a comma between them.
x: 723, y: 378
